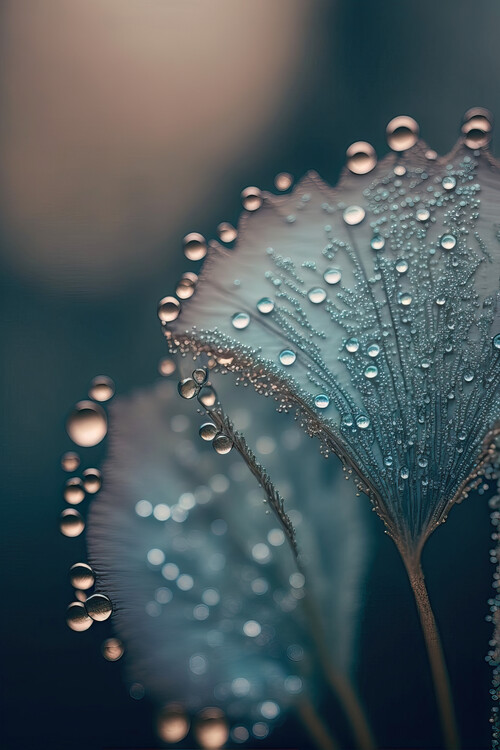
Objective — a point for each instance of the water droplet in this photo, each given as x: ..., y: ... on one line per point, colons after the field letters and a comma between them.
x: 401, y: 265
x: 332, y: 275
x: 227, y: 232
x: 200, y: 375
x: 361, y: 157
x: 404, y: 473
x: 195, y: 246
x: 207, y: 396
x: 363, y: 422
x: 70, y: 461
x: 448, y: 242
x: 73, y: 491
x: 373, y: 350
x: 252, y: 199
x: 477, y: 127
x: 71, y: 523
x: 172, y: 723
x: 399, y: 170
x: 371, y: 372
x: 448, y: 182
x: 422, y: 462
x: 81, y: 576
x: 321, y: 401
x: 468, y: 376
x: 98, y: 607
x: 102, y: 388
x: 496, y: 341
x: 87, y: 424
x: 112, y: 649
x: 316, y: 295
x: 240, y: 320
x: 287, y: 357
x: 265, y: 305
x: 425, y: 364
x: 211, y: 729
x: 352, y: 345
x: 283, y: 181
x: 92, y: 480
x: 402, y: 133
x: 388, y: 461
x: 440, y: 301
x: 222, y: 444
x: 347, y: 421
x: 77, y: 618
x: 423, y: 214
x: 188, y: 388
x: 353, y: 215
x: 186, y: 285
x: 377, y: 242
x: 168, y: 309
x: 404, y: 298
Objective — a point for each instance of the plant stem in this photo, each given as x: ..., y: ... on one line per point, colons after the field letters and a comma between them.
x: 435, y: 653
x: 317, y: 729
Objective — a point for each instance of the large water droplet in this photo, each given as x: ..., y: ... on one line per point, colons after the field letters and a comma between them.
x: 283, y: 181
x: 102, y: 388
x: 287, y: 357
x: 377, y: 242
x: 402, y: 133
x: 371, y: 372
x: 70, y: 461
x: 208, y: 431
x: 240, y: 320
x: 265, y: 305
x: 87, y: 424
x: 92, y: 480
x: 321, y: 401
x: 363, y: 422
x: 71, y: 523
x: 404, y: 298
x: 207, y: 396
x: 353, y: 215
x: 252, y: 199
x: 316, y: 295
x: 98, y: 607
x: 172, y: 723
x: 227, y: 232
x: 188, y: 388
x: 112, y: 649
x: 477, y: 127
x: 448, y: 182
x: 423, y: 214
x: 168, y: 309
x: 77, y: 618
x: 448, y: 242
x: 404, y: 473
x: 73, y: 491
x: 195, y: 246
x: 468, y: 376
x: 361, y: 157
x: 81, y: 576
x: 401, y: 265
x: 222, y: 444
x: 332, y: 275
x: 352, y: 345
x: 373, y: 350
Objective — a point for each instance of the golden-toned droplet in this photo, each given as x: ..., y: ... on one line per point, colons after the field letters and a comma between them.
x: 211, y: 728
x: 70, y: 461
x: 87, y: 424
x: 99, y: 607
x: 195, y: 246
x: 226, y: 232
x: 102, y: 388
x: 168, y: 309
x: 112, y: 649
x: 477, y: 127
x: 252, y: 199
x: 73, y: 491
x: 207, y: 396
x: 71, y: 523
x: 172, y: 723
x: 222, y: 444
x: 166, y: 366
x: 402, y: 133
x: 361, y: 157
x: 283, y: 181
x: 81, y: 576
x: 80, y: 596
x: 92, y: 481
x: 77, y: 618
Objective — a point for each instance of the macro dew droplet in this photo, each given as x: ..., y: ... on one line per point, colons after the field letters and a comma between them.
x: 448, y: 182
x: 361, y: 157
x: 321, y: 401
x: 401, y: 265
x: 477, y: 127
x: 81, y: 576
x: 240, y: 320
x: 77, y: 618
x: 92, y: 481
x: 168, y: 309
x: 283, y: 181
x: 404, y: 298
x: 353, y: 215
x: 316, y: 295
x: 71, y: 522
x: 287, y: 357
x: 208, y: 431
x: 200, y: 375
x: 172, y: 723
x: 362, y: 422
x: 402, y: 133
x: 226, y: 232
x: 423, y: 214
x: 332, y: 275
x: 371, y: 372
x: 373, y: 350
x: 98, y: 607
x: 70, y: 461
x: 73, y: 491
x: 251, y: 198
x: 265, y: 305
x: 448, y: 242
x: 195, y: 246
x: 102, y: 388
x: 352, y: 345
x: 222, y: 444
x: 404, y: 472
x: 188, y: 388
x: 87, y: 424
x: 185, y: 287
x: 112, y: 649
x: 207, y: 396
x: 377, y: 242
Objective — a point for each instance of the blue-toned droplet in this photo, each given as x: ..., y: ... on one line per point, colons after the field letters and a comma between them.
x: 448, y: 242
x: 377, y: 242
x: 371, y: 372
x: 363, y: 422
x: 332, y: 275
x: 404, y: 298
x: 373, y: 350
x: 404, y: 473
x: 321, y: 401
x: 240, y: 320
x: 287, y: 357
x: 448, y: 182
x: 352, y: 345
x: 265, y: 305
x: 353, y: 215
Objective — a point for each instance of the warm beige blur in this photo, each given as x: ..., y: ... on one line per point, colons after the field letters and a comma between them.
x: 119, y: 116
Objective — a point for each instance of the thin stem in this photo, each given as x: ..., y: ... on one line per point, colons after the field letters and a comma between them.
x: 435, y: 653
x: 321, y: 735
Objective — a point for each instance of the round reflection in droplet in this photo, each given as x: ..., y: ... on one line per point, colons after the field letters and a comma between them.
x: 172, y: 723
x: 208, y: 431
x: 73, y: 491
x: 371, y: 372
x: 195, y: 246
x: 401, y: 265
x: 283, y: 181
x: 101, y: 388
x: 362, y: 422
x: 287, y: 357
x: 71, y: 523
x: 168, y: 309
x: 87, y: 424
x: 185, y: 288
x: 77, y: 618
x: 240, y: 320
x: 353, y: 215
x: 402, y: 133
x: 70, y: 461
x: 112, y: 649
x: 361, y: 157
x: 92, y: 481
x: 252, y: 199
x: 222, y: 444
x: 211, y: 729
x: 81, y: 576
x: 226, y: 232
x: 98, y: 607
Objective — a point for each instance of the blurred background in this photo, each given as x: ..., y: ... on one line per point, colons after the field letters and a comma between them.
x: 124, y: 124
